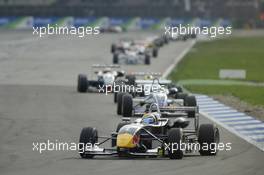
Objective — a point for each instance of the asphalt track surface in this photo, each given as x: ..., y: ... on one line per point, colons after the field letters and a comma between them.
x: 39, y: 102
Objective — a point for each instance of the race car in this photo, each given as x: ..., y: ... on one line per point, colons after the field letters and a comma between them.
x: 140, y: 87
x: 153, y: 135
x: 121, y: 45
x: 104, y: 78
x: 132, y: 55
x: 146, y: 46
x: 111, y: 29
x: 129, y: 104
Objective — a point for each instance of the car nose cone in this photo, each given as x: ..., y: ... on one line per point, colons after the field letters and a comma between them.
x: 125, y: 141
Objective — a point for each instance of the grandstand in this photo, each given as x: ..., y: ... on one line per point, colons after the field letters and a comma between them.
x: 234, y: 9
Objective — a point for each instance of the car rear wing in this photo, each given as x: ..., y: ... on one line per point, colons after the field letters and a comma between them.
x: 173, y: 111
x: 180, y: 109
x: 106, y: 66
x: 157, y: 74
x: 160, y: 81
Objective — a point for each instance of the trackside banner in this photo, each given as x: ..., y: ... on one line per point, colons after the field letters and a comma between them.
x: 136, y: 23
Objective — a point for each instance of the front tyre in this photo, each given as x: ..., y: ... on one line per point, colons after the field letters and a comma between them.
x: 82, y: 84
x: 88, y: 135
x: 174, y: 139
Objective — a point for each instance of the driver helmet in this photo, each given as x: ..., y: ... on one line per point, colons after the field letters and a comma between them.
x: 148, y: 77
x: 149, y: 119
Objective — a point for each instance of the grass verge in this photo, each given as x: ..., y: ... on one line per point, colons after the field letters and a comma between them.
x: 206, y: 59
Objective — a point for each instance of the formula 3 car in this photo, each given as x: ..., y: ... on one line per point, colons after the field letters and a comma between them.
x: 121, y: 45
x: 129, y: 104
x: 153, y: 135
x: 104, y: 78
x: 131, y: 55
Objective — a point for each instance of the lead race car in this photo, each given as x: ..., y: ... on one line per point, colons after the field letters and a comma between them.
x: 105, y: 77
x: 153, y: 135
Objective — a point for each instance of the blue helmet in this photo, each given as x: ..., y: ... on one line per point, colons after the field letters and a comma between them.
x: 149, y: 119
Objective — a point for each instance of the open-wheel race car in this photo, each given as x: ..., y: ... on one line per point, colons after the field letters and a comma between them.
x: 155, y: 134
x: 104, y: 77
x: 132, y: 55
x: 161, y: 92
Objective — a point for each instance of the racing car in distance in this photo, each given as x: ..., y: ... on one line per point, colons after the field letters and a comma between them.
x: 104, y: 77
x: 147, y: 47
x: 121, y: 45
x: 131, y: 55
x: 112, y: 29
x: 153, y: 135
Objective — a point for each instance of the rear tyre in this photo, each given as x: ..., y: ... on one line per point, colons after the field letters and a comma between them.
x: 120, y: 125
x: 127, y: 105
x: 115, y: 97
x: 190, y: 101
x: 208, y: 138
x: 115, y: 59
x: 147, y: 59
x: 155, y: 52
x: 179, y: 89
x: 113, y: 48
x: 182, y: 96
x: 174, y: 139
x: 82, y: 84
x: 88, y: 135
x: 119, y: 100
x: 131, y: 79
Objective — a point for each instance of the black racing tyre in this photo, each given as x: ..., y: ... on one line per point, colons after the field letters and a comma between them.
x: 147, y: 59
x: 179, y: 89
x: 120, y: 125
x: 166, y: 40
x: 115, y: 97
x: 174, y: 139
x: 119, y: 100
x: 127, y: 105
x: 190, y: 100
x: 82, y: 84
x: 208, y: 138
x: 142, y: 94
x: 131, y: 79
x: 88, y: 135
x: 113, y: 48
x: 182, y: 96
x: 171, y: 85
x: 115, y: 59
x: 155, y: 52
